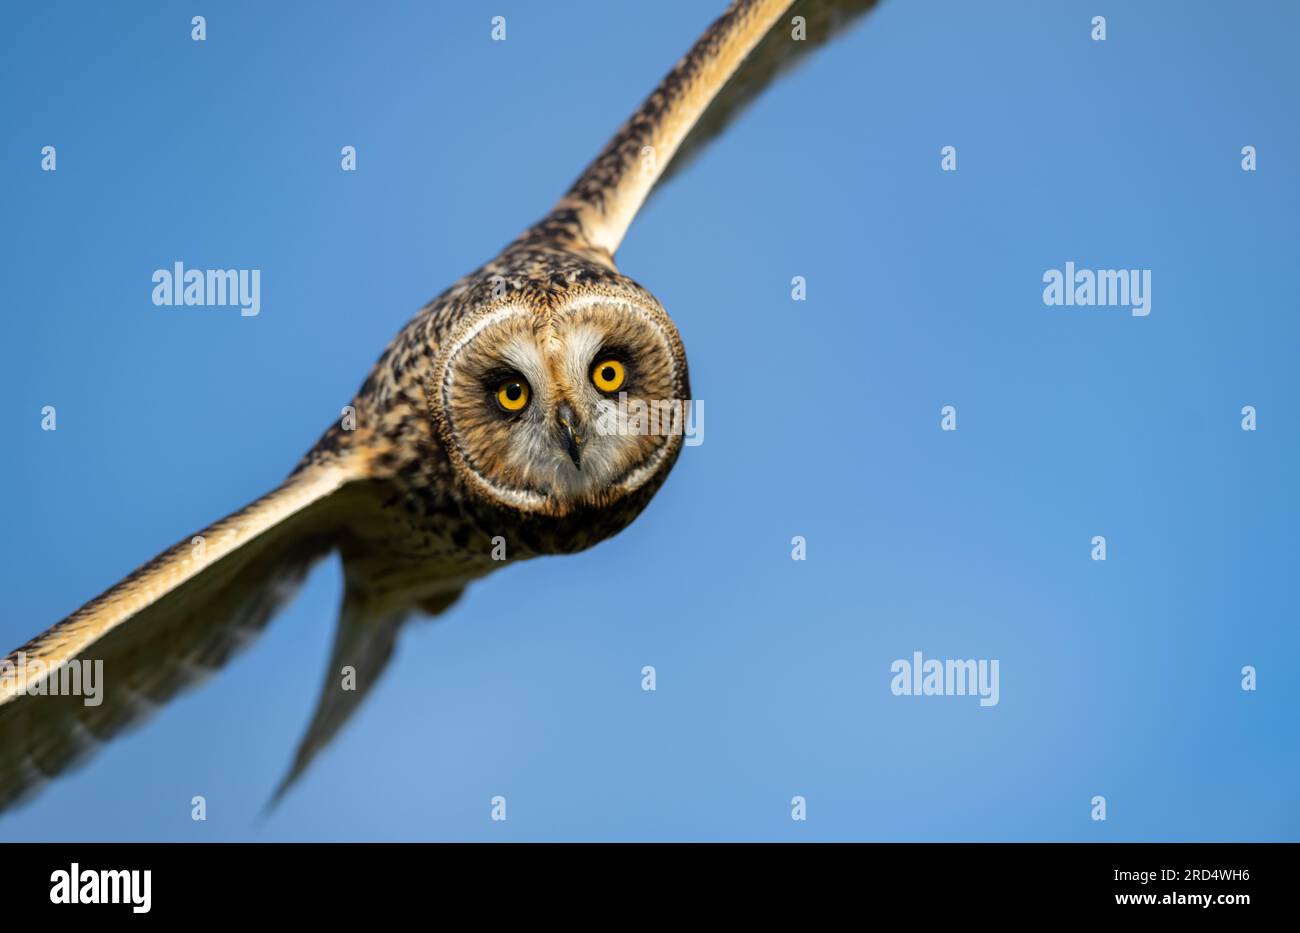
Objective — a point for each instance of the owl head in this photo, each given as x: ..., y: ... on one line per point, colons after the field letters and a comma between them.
x: 536, y: 396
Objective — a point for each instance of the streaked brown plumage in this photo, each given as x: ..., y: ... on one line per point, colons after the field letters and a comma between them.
x: 413, y: 495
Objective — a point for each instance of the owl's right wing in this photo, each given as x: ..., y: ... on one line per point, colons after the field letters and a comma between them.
x: 747, y: 48
x: 162, y: 628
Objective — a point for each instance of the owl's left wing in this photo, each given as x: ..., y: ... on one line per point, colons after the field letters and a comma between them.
x: 778, y: 53
x: 739, y: 55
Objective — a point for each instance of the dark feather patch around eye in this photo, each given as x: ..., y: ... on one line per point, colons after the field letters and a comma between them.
x: 498, y: 379
x: 493, y: 376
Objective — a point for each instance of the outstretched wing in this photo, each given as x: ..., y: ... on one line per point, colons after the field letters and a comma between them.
x: 178, y: 617
x: 746, y: 48
x: 776, y: 55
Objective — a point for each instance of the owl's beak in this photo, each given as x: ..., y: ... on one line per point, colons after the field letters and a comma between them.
x: 568, y: 434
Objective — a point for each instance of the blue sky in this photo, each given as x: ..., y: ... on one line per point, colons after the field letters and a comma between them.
x: 924, y: 289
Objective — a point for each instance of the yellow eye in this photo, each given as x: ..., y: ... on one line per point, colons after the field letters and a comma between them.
x: 512, y: 395
x: 608, y: 375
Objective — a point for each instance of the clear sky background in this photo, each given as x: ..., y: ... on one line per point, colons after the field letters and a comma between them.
x: 822, y: 418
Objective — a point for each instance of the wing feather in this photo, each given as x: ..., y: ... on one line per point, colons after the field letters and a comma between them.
x: 600, y: 206
x: 776, y: 55
x: 364, y: 641
x: 179, y: 617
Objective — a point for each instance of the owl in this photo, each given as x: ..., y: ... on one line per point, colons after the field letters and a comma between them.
x: 488, y: 432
